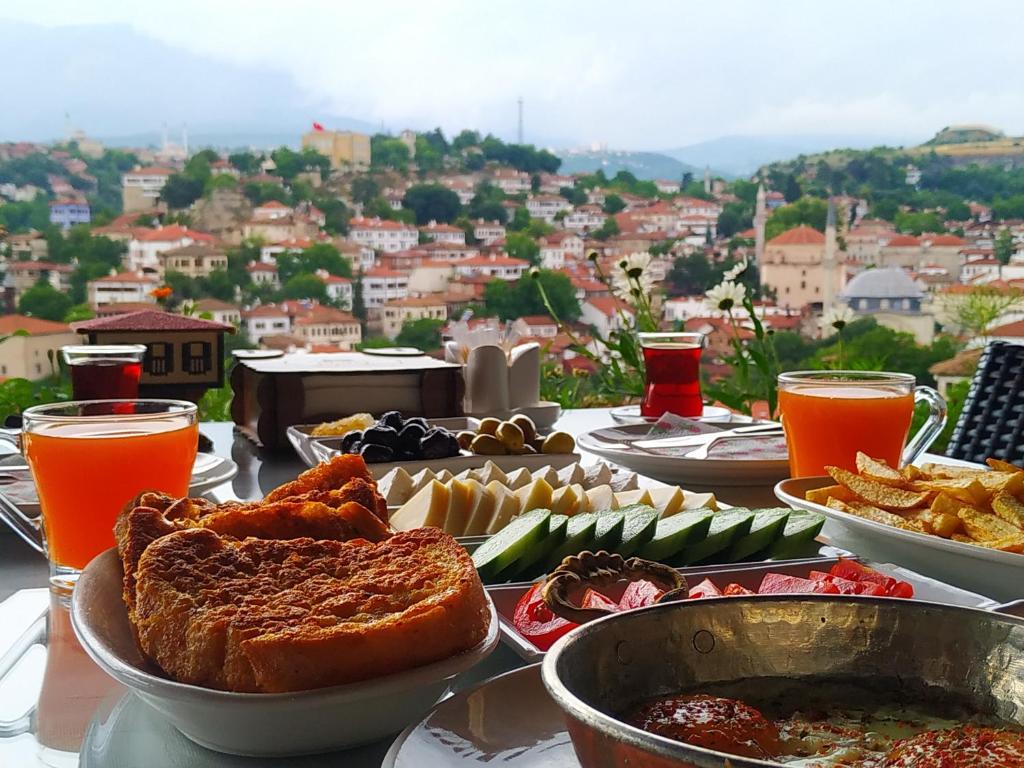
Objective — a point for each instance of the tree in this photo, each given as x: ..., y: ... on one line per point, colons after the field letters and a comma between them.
x: 692, y: 275
x: 318, y: 256
x: 336, y: 214
x: 428, y: 158
x: 358, y: 302
x: 424, y: 334
x: 432, y: 202
x: 735, y: 217
x: 811, y: 211
x: 246, y: 162
x: 918, y: 222
x: 613, y: 204
x: 218, y: 285
x: 520, y: 220
x: 522, y: 246
x: 574, y: 195
x: 957, y: 210
x: 290, y: 163
x: 305, y: 286
x: 509, y: 300
x: 606, y: 230
x: 465, y: 139
x: 181, y: 190
x: 977, y: 308
x: 791, y: 190
x: 364, y: 189
x: 1003, y: 248
x: 386, y: 152
x: 44, y: 301
x: 79, y: 312
x: 487, y: 204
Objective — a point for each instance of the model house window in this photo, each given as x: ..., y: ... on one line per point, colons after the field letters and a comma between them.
x: 159, y: 358
x: 196, y: 356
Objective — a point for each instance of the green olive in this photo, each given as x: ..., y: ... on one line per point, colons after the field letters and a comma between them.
x: 559, y: 442
x: 510, y: 435
x: 526, y: 424
x: 488, y: 426
x: 465, y: 438
x: 487, y: 445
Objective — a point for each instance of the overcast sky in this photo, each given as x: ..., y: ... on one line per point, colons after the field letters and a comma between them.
x: 643, y: 74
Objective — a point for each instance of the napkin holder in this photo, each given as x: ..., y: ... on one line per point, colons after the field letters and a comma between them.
x: 501, y: 384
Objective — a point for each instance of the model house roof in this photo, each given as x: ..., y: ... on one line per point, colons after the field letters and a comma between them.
x: 150, y: 320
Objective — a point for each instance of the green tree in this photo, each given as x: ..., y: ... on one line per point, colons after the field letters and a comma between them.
x: 79, y: 312
x: 520, y: 220
x: 305, y: 286
x: 358, y: 301
x: 44, y: 301
x: 428, y: 158
x: 613, y: 204
x: 509, y: 300
x: 521, y: 246
x: 606, y: 230
x: 218, y: 285
x: 811, y: 211
x: 386, y: 152
x: 364, y: 189
x: 791, y: 189
x: 1003, y: 248
x: 23, y: 216
x: 918, y: 222
x: 246, y: 162
x: 424, y: 334
x: 574, y: 195
x: 957, y: 210
x: 465, y: 139
x: 181, y: 190
x: 432, y: 202
x: 487, y: 204
x: 692, y: 275
x: 318, y: 256
x: 290, y: 163
x: 735, y: 217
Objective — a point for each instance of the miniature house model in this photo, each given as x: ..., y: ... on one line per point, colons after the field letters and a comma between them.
x: 184, y: 355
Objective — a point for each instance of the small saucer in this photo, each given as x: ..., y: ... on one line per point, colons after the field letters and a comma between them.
x: 630, y: 414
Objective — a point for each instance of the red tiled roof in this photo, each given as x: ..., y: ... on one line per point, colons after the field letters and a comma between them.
x: 360, y: 222
x: 170, y: 233
x: 150, y: 320
x: 122, y: 308
x: 335, y: 280
x: 1013, y: 330
x: 125, y: 277
x: 903, y: 241
x: 946, y: 240
x: 430, y: 300
x: 384, y: 272
x: 274, y: 205
x: 265, y: 310
x: 492, y: 261
x: 538, y: 320
x: 33, y: 326
x: 608, y: 306
x: 440, y: 228
x: 150, y: 170
x: 802, y: 235
x: 321, y: 315
x: 213, y: 305
x: 261, y: 266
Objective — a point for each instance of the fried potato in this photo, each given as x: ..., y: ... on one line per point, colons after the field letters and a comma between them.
x: 877, y: 515
x: 911, y: 473
x: 875, y: 493
x: 879, y: 471
x: 949, y: 471
x: 983, y: 526
x: 1003, y: 466
x: 822, y: 495
x: 944, y: 504
x: 966, y: 489
x: 1009, y: 508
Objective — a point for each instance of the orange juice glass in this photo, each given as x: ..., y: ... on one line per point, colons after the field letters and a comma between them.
x: 829, y: 416
x: 89, y: 458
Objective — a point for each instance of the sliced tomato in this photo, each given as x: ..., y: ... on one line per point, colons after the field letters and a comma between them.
x: 706, y: 588
x: 638, y: 594
x: 845, y: 586
x: 854, y: 571
x: 901, y: 589
x: 733, y: 590
x: 535, y: 621
x: 594, y: 599
x: 872, y: 589
x: 780, y: 584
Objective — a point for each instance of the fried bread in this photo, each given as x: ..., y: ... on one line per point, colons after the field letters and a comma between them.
x: 264, y: 615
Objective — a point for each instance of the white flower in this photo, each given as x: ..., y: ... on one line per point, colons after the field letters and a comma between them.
x: 635, y: 266
x: 837, y: 317
x: 735, y: 271
x: 726, y: 295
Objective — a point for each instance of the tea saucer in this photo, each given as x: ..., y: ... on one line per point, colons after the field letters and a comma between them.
x: 630, y: 414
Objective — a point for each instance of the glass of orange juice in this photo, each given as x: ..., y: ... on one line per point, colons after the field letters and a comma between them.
x: 88, y: 459
x: 829, y: 416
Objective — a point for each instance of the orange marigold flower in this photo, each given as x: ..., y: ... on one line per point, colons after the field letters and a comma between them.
x: 162, y: 292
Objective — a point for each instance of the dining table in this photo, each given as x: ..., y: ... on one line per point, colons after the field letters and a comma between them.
x: 57, y: 708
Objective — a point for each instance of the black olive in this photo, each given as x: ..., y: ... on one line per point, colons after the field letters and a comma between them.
x: 374, y: 453
x: 350, y: 442
x: 385, y: 436
x: 418, y: 420
x: 392, y: 419
x: 410, y: 436
x: 437, y: 444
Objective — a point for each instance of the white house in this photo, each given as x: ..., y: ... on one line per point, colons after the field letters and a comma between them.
x: 272, y: 209
x: 444, y: 233
x: 493, y: 265
x: 141, y: 187
x: 694, y: 205
x: 585, y: 218
x: 382, y: 234
x: 553, y: 183
x: 541, y: 326
x: 146, y: 245
x: 327, y: 325
x: 462, y: 186
x: 488, y: 232
x: 121, y: 288
x: 666, y: 187
x: 381, y: 285
x: 546, y: 207
x: 219, y: 311
x: 604, y: 313
x: 557, y: 247
x: 338, y: 288
x: 266, y: 320
x: 511, y: 181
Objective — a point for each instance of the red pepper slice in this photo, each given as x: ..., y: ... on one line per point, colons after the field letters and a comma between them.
x: 594, y: 599
x: 706, y: 588
x: 854, y: 571
x: 734, y: 590
x: 535, y: 621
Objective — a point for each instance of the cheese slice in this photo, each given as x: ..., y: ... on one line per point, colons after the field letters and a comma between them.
x: 396, y: 487
x: 429, y: 507
x: 699, y: 501
x: 536, y: 495
x: 517, y: 478
x: 422, y: 479
x: 463, y: 475
x: 482, y: 506
x: 583, y: 506
x: 548, y: 474
x: 565, y: 501
x: 506, y: 506
x: 668, y: 501
x: 601, y: 498
x: 571, y: 474
x: 445, y: 476
x: 639, y: 496
x: 624, y: 481
x: 460, y: 499
x: 597, y: 474
x: 488, y: 473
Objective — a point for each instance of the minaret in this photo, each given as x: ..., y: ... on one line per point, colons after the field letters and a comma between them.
x: 760, y: 217
x: 829, y: 262
x: 707, y: 180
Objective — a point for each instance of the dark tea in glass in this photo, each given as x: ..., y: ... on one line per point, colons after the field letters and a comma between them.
x: 672, y: 362
x: 109, y: 372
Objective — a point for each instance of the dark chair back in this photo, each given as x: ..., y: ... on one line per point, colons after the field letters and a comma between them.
x: 992, y: 420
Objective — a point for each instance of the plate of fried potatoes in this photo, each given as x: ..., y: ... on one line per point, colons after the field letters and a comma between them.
x: 961, y: 523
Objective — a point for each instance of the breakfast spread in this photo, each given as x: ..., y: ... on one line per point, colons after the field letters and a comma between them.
x: 965, y: 504
x: 307, y: 589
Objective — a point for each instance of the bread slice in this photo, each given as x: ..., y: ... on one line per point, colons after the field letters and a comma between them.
x: 288, y: 615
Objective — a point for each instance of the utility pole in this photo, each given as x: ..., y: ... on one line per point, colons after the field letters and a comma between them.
x: 519, y: 133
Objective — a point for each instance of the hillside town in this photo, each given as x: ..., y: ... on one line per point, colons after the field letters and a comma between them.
x: 358, y: 241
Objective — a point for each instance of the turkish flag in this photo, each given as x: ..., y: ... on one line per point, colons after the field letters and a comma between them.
x: 317, y: 126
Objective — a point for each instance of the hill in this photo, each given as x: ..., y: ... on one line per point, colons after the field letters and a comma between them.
x: 643, y: 165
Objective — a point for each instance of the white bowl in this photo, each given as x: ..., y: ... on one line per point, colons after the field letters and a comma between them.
x: 257, y: 724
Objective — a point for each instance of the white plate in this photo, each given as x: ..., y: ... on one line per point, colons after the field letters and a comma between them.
x: 696, y: 474
x: 395, y: 351
x: 258, y: 724
x: 630, y: 414
x: 990, y: 572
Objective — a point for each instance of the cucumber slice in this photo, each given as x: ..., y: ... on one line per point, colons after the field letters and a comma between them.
x: 675, y: 532
x: 798, y: 535
x: 767, y: 525
x: 608, y: 532
x: 538, y: 553
x: 638, y: 528
x: 579, y: 534
x: 726, y: 527
x: 511, y: 543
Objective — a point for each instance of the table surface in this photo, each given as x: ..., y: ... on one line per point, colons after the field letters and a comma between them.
x: 58, y: 709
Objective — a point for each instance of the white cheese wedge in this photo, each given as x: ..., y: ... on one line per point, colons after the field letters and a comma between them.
x: 396, y: 487
x: 700, y: 500
x: 564, y: 501
x: 445, y: 476
x: 624, y: 481
x: 571, y: 474
x: 428, y: 508
x: 460, y: 500
x: 639, y: 496
x: 488, y: 473
x: 536, y: 495
x: 506, y: 506
x: 582, y: 496
x: 668, y: 501
x: 518, y: 478
x: 597, y: 474
x: 482, y: 506
x: 601, y: 498
x: 548, y: 474
x: 422, y: 479
x: 463, y: 475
